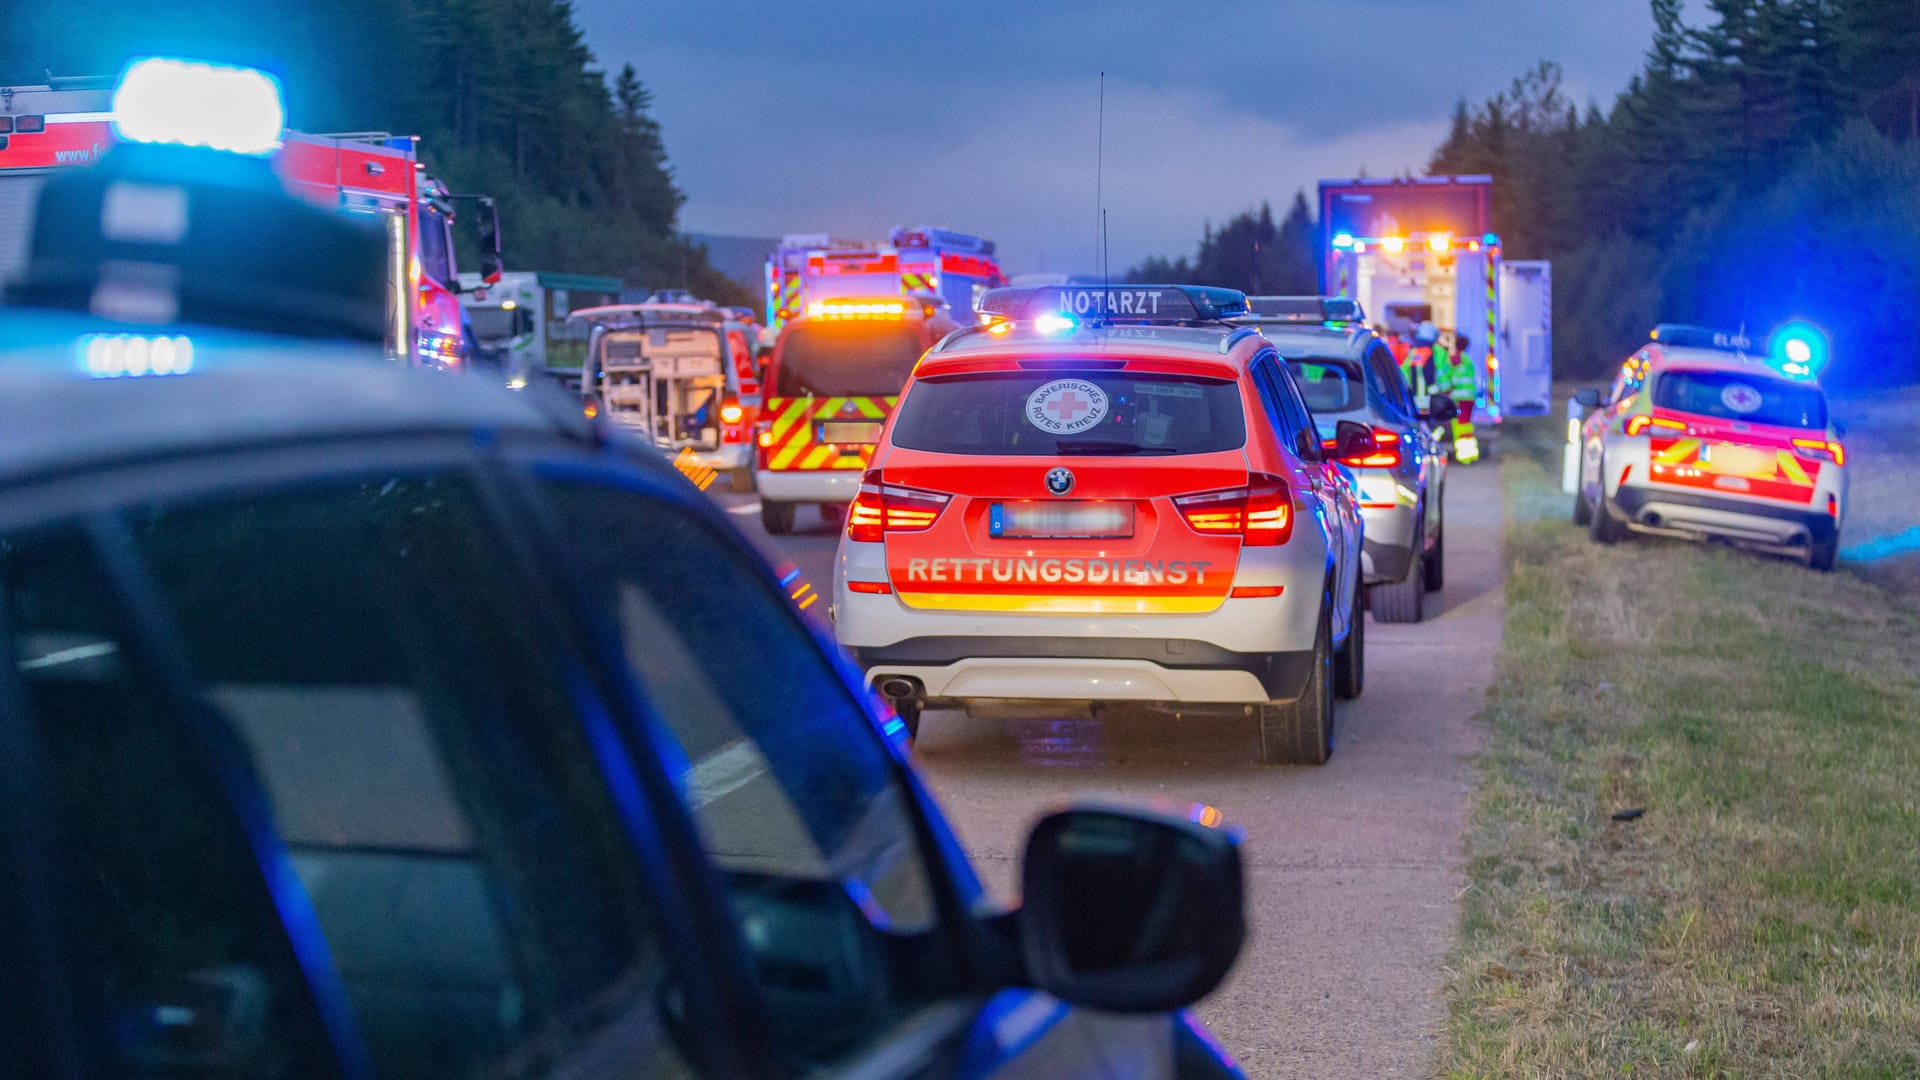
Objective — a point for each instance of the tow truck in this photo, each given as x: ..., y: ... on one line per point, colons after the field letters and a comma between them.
x: 70, y: 122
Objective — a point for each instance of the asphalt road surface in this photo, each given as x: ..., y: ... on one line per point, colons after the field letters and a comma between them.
x: 1354, y: 867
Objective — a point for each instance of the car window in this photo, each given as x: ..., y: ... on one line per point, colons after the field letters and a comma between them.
x: 1302, y: 437
x: 1329, y: 385
x: 1067, y: 411
x: 366, y: 649
x: 179, y: 961
x: 794, y: 792
x: 1750, y: 399
x: 1389, y: 383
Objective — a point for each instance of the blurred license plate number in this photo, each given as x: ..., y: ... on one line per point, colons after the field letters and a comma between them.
x: 1735, y: 460
x: 1091, y: 520
x: 838, y: 432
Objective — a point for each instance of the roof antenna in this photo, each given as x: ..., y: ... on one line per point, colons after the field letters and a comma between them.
x: 1099, y: 177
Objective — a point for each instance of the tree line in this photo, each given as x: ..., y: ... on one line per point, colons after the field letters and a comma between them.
x: 1763, y: 165
x: 505, y: 94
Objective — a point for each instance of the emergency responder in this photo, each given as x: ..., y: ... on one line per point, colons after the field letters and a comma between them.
x: 1416, y: 362
x: 1454, y: 368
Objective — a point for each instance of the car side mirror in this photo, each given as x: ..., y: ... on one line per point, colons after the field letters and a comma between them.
x: 1441, y: 408
x: 1131, y: 911
x: 1588, y: 398
x: 1353, y: 440
x: 490, y: 262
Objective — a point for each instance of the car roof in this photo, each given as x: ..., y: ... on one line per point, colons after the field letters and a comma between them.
x: 1665, y: 357
x: 1221, y: 347
x: 1294, y: 339
x: 56, y: 421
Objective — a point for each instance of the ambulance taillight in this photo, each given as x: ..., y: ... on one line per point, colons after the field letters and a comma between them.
x: 883, y: 508
x: 1261, y: 513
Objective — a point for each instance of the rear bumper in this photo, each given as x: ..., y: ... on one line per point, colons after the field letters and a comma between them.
x: 1732, y: 519
x: 1088, y: 669
x: 815, y: 485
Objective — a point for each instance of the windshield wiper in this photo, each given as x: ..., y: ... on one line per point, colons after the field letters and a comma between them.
x: 1115, y: 449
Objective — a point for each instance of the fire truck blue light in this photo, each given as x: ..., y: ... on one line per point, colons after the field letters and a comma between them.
x: 187, y: 103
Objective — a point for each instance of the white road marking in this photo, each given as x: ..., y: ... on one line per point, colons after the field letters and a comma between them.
x: 69, y: 656
x: 724, y: 772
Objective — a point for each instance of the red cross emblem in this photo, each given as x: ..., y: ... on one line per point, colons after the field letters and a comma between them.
x: 1068, y: 405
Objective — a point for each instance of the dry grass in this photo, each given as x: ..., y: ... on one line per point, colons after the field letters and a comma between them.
x: 1763, y: 917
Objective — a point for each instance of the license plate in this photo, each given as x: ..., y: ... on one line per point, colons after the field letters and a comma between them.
x: 835, y: 431
x: 1062, y: 521
x: 1733, y: 460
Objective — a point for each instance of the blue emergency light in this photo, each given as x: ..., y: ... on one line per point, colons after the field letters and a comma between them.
x: 1799, y: 349
x: 1092, y: 304
x: 188, y: 103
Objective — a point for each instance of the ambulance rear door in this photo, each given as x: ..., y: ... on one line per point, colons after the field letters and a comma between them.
x: 1526, y: 337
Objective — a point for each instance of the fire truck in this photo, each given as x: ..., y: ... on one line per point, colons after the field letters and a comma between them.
x: 69, y: 122
x: 1421, y: 250
x: 815, y: 268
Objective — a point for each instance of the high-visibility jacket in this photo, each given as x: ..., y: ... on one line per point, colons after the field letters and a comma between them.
x: 1454, y: 379
x: 1417, y: 366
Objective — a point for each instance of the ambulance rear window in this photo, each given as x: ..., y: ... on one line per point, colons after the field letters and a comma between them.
x: 1751, y: 399
x: 1064, y: 411
x: 855, y: 358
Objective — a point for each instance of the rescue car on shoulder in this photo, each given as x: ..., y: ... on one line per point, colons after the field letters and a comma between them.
x: 1699, y: 437
x: 1110, y: 495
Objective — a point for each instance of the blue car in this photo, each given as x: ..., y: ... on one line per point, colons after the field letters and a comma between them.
x: 366, y: 722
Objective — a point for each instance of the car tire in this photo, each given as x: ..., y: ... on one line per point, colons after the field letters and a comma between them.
x: 1436, y: 564
x: 740, y: 481
x: 908, y: 710
x: 1350, y: 661
x: 776, y: 517
x: 1824, y: 554
x: 1582, y: 509
x: 1403, y: 601
x: 1604, y: 528
x: 1301, y: 732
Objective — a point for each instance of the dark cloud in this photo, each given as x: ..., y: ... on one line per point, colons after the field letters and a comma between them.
x: 854, y: 116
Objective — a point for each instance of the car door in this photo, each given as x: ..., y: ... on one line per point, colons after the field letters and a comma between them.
x: 1309, y: 475
x: 338, y: 808
x: 1338, y: 487
x: 852, y: 901
x: 1429, y: 463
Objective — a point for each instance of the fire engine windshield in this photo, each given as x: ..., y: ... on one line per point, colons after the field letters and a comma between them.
x: 847, y: 359
x: 492, y: 323
x: 1050, y: 413
x: 1329, y: 385
x: 1752, y: 399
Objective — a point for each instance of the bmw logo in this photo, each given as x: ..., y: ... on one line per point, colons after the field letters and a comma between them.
x: 1060, y: 480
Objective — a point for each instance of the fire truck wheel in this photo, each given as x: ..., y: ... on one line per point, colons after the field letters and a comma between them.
x: 1350, y: 662
x: 1824, y: 554
x: 1403, y: 601
x: 1301, y: 732
x: 1435, y: 570
x: 740, y: 480
x: 776, y: 517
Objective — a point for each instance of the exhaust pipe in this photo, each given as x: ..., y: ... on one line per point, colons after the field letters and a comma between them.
x: 899, y: 688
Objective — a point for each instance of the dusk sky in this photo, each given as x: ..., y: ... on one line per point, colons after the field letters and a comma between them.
x: 855, y: 116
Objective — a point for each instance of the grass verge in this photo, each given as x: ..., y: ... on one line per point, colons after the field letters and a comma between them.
x: 1763, y: 917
